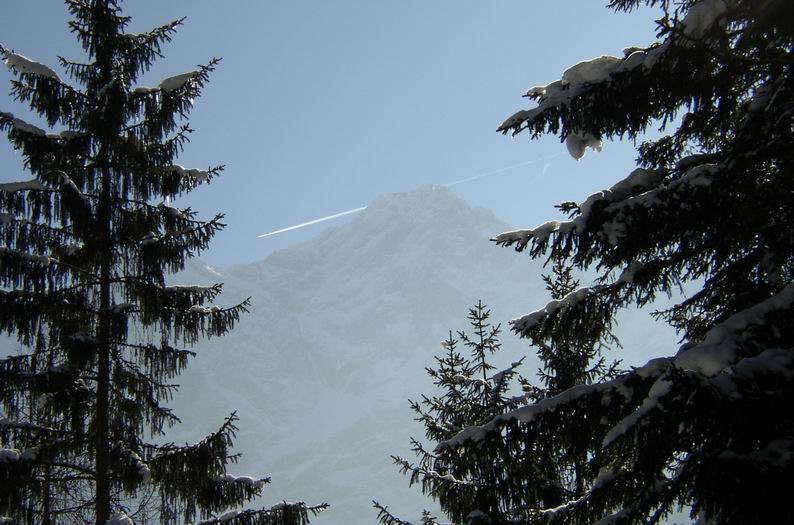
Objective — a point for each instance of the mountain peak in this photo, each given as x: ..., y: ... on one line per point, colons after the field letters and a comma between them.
x: 428, y: 207
x: 424, y: 202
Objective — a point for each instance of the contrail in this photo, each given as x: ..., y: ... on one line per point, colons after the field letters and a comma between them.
x: 315, y: 221
x: 500, y: 170
x: 461, y: 181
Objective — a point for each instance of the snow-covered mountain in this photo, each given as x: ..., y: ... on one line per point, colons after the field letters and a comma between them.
x: 339, y: 334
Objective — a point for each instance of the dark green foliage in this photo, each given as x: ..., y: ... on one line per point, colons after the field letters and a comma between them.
x: 574, y: 357
x: 711, y: 205
x: 468, y: 487
x: 86, y: 245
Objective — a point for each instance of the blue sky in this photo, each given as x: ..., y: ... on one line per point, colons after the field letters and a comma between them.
x: 318, y: 107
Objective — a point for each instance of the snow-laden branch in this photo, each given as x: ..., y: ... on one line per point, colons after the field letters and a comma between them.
x: 530, y: 320
x: 22, y: 64
x: 10, y: 455
x: 710, y: 358
x: 169, y: 84
x: 28, y: 185
x: 40, y: 259
x: 177, y: 81
x: 23, y: 126
x: 641, y: 188
x: 701, y: 16
x: 573, y: 83
x: 191, y: 174
x: 244, y: 480
x: 718, y: 348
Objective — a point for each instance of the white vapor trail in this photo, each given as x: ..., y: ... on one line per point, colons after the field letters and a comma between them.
x: 315, y: 221
x: 500, y: 170
x: 455, y: 183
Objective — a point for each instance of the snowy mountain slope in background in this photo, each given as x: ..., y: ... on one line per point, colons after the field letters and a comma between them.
x: 339, y: 334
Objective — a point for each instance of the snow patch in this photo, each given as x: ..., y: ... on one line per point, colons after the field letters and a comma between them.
x: 577, y: 144
x: 591, y: 71
x: 718, y: 348
x: 120, y: 518
x: 701, y: 17
x: 245, y: 480
x: 198, y: 309
x: 176, y: 82
x: 228, y: 516
x: 7, y: 455
x: 41, y: 259
x: 174, y: 212
x: 26, y: 127
x: 530, y: 320
x: 195, y: 174
x: 22, y: 64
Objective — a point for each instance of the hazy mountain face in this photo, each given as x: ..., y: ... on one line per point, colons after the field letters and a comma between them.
x: 338, y: 337
x: 337, y: 340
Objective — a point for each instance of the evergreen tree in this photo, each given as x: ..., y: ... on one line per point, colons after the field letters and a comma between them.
x: 574, y: 357
x: 473, y: 488
x: 86, y: 247
x: 710, y: 204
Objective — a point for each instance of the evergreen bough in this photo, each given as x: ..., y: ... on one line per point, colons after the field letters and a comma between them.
x: 86, y: 245
x: 710, y: 205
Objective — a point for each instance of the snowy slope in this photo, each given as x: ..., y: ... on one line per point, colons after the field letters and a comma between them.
x: 339, y: 334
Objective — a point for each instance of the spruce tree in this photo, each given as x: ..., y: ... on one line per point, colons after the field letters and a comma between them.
x: 710, y: 204
x: 87, y: 244
x: 471, y: 488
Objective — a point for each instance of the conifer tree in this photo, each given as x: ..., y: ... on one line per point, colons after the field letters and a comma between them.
x: 573, y: 357
x: 472, y: 488
x: 86, y: 245
x: 709, y: 426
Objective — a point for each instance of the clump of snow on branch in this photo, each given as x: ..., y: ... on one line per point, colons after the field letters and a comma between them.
x: 41, y: 259
x: 591, y: 71
x: 144, y: 90
x: 21, y: 125
x: 195, y: 175
x: 174, y: 212
x: 244, y: 480
x: 659, y: 389
x: 177, y: 81
x: 10, y: 187
x: 702, y: 16
x: 143, y: 469
x: 204, y: 310
x: 8, y: 455
x: 66, y: 134
x: 532, y: 319
x: 718, y: 348
x: 23, y: 64
x: 228, y: 516
x: 577, y: 144
x: 628, y: 273
x: 120, y: 518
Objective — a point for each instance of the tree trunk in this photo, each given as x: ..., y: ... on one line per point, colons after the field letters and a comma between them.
x: 103, y: 365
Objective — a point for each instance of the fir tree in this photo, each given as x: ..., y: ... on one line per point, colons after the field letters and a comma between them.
x: 573, y: 357
x: 710, y: 204
x: 469, y: 488
x: 86, y: 247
